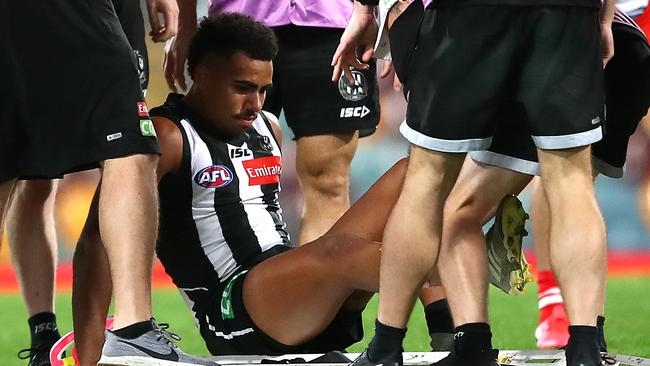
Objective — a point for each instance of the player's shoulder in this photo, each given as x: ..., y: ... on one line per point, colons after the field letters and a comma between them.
x: 271, y: 118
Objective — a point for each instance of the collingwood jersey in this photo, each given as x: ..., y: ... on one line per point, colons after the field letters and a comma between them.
x: 220, y: 209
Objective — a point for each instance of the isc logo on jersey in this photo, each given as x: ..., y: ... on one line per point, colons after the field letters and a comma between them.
x: 214, y: 176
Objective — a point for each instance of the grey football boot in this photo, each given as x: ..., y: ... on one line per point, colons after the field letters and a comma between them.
x: 507, y: 264
x: 154, y: 348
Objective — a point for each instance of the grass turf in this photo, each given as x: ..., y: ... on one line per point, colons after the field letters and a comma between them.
x: 513, y: 321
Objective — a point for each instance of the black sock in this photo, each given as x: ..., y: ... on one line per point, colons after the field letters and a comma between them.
x: 134, y: 330
x: 472, y: 338
x: 43, y: 329
x: 386, y: 344
x: 600, y: 323
x: 583, y: 345
x: 438, y: 317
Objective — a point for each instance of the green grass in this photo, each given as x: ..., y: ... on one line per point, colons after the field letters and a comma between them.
x: 513, y: 321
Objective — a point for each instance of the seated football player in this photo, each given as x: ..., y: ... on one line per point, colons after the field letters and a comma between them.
x: 222, y: 236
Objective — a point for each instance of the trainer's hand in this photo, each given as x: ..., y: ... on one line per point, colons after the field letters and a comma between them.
x: 607, y: 42
x: 169, y: 10
x: 360, y: 32
x: 176, y: 51
x: 387, y: 71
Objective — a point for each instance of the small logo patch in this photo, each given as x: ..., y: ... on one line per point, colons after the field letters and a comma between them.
x: 264, y: 170
x: 146, y: 127
x: 353, y: 92
x: 595, y: 120
x: 114, y: 136
x: 358, y: 112
x: 214, y: 176
x: 143, y: 111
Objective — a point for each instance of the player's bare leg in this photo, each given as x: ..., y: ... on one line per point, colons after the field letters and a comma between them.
x: 92, y: 290
x: 323, y: 169
x: 578, y: 250
x: 128, y: 222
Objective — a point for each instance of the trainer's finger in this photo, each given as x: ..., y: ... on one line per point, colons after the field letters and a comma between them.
x: 336, y: 73
x: 367, y: 54
x: 385, y: 71
x: 179, y: 74
x: 171, y: 25
x: 153, y: 20
x: 338, y: 53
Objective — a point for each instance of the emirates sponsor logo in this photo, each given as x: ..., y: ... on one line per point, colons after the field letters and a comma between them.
x: 264, y: 170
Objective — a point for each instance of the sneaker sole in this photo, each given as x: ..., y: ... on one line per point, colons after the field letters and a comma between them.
x: 140, y: 361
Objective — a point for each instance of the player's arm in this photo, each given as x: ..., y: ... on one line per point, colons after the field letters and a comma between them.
x: 171, y: 146
x: 275, y: 125
x: 606, y: 18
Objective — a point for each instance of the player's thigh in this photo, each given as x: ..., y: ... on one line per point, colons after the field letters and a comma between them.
x: 312, y: 104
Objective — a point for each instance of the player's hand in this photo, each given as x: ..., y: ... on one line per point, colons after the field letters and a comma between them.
x: 360, y: 32
x: 169, y: 10
x: 387, y: 71
x: 607, y: 42
x: 176, y: 51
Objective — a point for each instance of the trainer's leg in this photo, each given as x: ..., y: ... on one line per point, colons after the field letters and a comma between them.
x: 413, y: 232
x: 463, y: 256
x: 6, y: 188
x: 577, y: 232
x: 32, y: 239
x: 128, y: 223
x: 323, y: 169
x: 314, y: 281
x: 91, y: 291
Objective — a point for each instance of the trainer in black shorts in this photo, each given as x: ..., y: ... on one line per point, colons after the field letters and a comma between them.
x: 303, y: 89
x: 627, y: 89
x: 509, y: 59
x: 130, y: 16
x: 59, y: 124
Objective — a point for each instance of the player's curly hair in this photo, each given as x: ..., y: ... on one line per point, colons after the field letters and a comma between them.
x: 223, y: 35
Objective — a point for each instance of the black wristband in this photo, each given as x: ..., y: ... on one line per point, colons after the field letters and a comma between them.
x: 369, y: 2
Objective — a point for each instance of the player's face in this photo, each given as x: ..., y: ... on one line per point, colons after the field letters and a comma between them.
x: 234, y: 90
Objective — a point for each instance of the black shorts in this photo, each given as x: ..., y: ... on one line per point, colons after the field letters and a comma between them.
x: 73, y: 98
x: 627, y: 89
x: 130, y: 16
x: 473, y: 64
x: 227, y: 329
x: 302, y: 86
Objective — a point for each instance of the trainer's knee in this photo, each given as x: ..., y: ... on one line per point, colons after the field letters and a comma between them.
x: 34, y: 191
x: 330, y: 182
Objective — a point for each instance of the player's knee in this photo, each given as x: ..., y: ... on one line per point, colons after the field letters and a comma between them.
x: 338, y: 248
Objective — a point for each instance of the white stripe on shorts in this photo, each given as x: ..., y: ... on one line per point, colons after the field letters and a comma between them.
x: 568, y: 141
x: 452, y: 146
x: 506, y: 162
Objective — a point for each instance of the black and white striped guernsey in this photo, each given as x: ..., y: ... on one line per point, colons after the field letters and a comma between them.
x: 220, y: 210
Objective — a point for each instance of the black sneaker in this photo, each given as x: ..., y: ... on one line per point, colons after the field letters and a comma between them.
x: 484, y: 358
x: 363, y: 360
x: 37, y: 356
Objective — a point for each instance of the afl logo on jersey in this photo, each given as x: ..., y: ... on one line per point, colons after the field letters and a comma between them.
x: 351, y: 91
x: 214, y: 176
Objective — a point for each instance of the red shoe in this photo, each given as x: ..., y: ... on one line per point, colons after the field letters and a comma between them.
x: 553, y: 331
